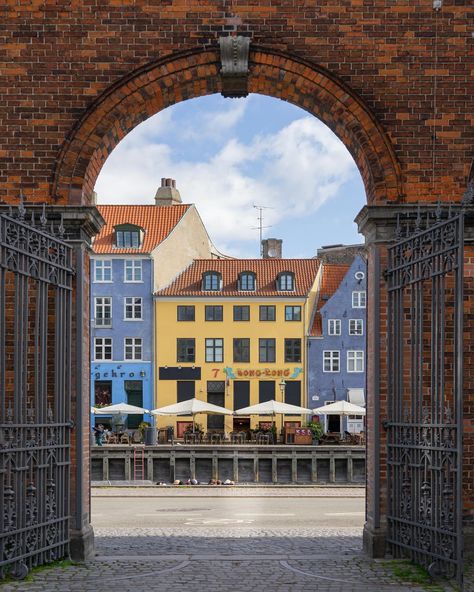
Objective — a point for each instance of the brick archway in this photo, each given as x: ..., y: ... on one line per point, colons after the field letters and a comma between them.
x: 192, y: 74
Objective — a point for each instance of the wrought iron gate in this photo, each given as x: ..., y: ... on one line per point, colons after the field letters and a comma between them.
x: 424, y: 427
x: 35, y: 382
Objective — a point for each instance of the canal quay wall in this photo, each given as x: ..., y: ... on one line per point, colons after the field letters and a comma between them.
x: 241, y: 464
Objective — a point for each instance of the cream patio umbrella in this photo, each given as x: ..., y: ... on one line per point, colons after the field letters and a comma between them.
x: 119, y: 409
x: 273, y: 408
x: 342, y: 408
x: 191, y: 407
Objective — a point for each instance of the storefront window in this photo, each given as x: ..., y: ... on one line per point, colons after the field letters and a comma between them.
x: 102, y: 393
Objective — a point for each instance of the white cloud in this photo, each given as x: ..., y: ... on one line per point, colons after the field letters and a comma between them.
x: 294, y: 170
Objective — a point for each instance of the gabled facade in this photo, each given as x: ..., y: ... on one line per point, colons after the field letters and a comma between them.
x: 337, y: 341
x: 140, y: 249
x: 233, y: 333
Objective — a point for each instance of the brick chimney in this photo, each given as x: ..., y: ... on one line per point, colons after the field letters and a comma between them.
x: 167, y: 194
x: 272, y: 248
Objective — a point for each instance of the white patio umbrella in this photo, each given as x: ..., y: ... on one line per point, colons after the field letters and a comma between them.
x: 191, y: 407
x: 340, y: 408
x: 120, y: 409
x: 273, y: 407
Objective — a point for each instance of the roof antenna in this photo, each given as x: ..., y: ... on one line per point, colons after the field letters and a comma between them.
x: 260, y: 226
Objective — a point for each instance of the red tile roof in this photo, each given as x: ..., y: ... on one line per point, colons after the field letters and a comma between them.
x: 332, y: 276
x: 157, y: 221
x: 190, y: 281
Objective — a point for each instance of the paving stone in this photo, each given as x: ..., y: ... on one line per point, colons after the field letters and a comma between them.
x: 234, y: 560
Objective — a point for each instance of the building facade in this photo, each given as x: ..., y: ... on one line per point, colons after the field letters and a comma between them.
x: 140, y: 249
x: 233, y: 333
x: 336, y: 345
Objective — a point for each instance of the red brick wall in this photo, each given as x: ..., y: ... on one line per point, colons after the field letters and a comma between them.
x: 60, y: 57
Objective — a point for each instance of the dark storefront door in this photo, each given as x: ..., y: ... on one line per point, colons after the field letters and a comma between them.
x: 134, y: 390
x: 216, y: 396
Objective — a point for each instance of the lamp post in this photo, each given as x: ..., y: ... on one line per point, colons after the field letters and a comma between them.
x: 282, y: 385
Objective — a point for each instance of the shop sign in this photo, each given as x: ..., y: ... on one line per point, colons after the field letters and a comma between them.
x: 237, y: 373
x: 115, y: 374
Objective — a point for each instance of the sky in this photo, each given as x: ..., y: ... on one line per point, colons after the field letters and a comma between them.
x: 228, y: 155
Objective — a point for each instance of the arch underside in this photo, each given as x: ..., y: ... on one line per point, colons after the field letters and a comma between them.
x: 160, y: 85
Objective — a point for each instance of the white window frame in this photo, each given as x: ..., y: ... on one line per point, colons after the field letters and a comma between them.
x: 135, y: 265
x: 355, y: 356
x: 216, y: 349
x: 353, y: 323
x: 332, y: 355
x: 102, y: 304
x: 136, y: 303
x: 357, y: 297
x: 136, y: 343
x: 103, y: 346
x: 109, y: 266
x: 335, y: 323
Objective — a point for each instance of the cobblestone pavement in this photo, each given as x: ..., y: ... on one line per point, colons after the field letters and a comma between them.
x: 222, y: 560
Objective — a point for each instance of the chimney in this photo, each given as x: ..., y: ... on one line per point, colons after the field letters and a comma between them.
x: 272, y: 248
x: 167, y: 194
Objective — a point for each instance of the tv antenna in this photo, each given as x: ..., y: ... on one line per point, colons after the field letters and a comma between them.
x: 260, y: 226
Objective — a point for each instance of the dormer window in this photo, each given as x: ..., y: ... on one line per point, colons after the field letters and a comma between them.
x: 286, y: 282
x: 247, y: 281
x: 128, y: 236
x: 211, y: 281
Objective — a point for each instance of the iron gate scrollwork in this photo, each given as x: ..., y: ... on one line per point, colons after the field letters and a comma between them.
x: 36, y: 272
x: 424, y: 427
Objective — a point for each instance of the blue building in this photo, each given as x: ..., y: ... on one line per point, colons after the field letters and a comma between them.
x: 337, y: 342
x: 139, y: 250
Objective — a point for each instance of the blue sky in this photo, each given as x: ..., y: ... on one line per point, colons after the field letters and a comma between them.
x: 230, y: 154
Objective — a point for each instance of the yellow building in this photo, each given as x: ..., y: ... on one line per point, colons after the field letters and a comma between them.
x: 232, y: 332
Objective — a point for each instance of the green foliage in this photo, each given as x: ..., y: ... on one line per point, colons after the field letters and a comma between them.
x: 142, y: 425
x: 316, y: 429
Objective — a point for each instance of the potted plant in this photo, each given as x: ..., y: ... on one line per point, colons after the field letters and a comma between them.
x: 316, y: 430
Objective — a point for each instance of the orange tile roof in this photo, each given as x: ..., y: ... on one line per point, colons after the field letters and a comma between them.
x: 157, y: 221
x: 332, y: 276
x: 266, y: 270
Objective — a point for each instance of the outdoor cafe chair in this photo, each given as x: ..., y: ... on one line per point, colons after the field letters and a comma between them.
x: 263, y: 438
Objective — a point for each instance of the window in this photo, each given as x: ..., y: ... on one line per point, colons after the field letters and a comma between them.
x: 103, y: 348
x: 186, y: 313
x: 293, y: 392
x: 267, y: 313
x: 331, y: 361
x: 103, y: 270
x: 102, y: 393
x: 359, y: 299
x: 214, y: 350
x: 241, y: 313
x: 133, y: 308
x: 133, y: 270
x: 286, y: 282
x: 334, y: 327
x: 211, y: 281
x: 247, y: 281
x: 266, y: 350
x: 241, y: 394
x: 213, y: 313
x: 356, y: 327
x: 242, y: 350
x: 185, y: 390
x: 127, y: 236
x: 266, y: 390
x: 103, y: 311
x: 185, y: 350
x: 355, y: 361
x: 292, y: 350
x: 292, y: 313
x: 133, y: 348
